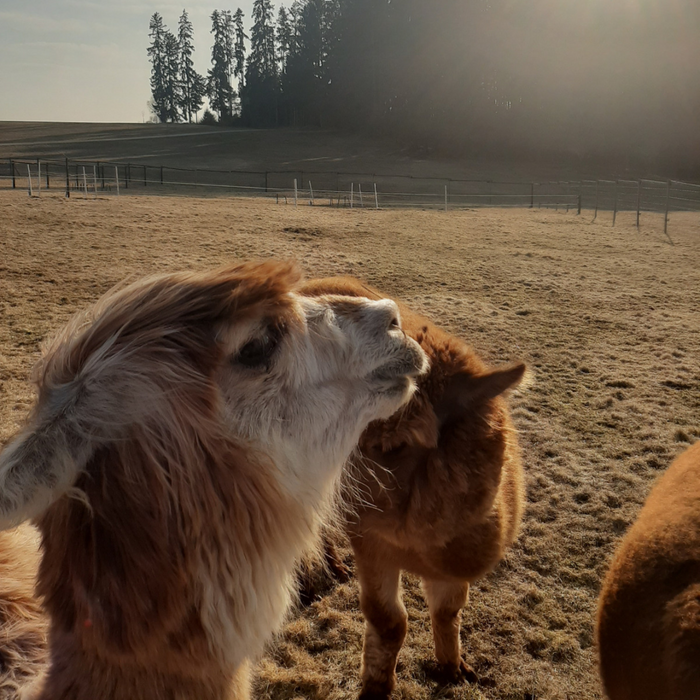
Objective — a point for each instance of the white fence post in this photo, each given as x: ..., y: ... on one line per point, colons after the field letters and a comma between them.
x: 295, y: 191
x: 311, y: 190
x: 94, y: 181
x: 29, y: 179
x: 359, y: 189
x: 639, y: 200
x: 445, y: 197
x: 376, y: 197
x: 38, y: 177
x: 352, y: 193
x: 116, y: 177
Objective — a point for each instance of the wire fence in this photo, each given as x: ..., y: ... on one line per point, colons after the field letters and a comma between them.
x: 88, y: 178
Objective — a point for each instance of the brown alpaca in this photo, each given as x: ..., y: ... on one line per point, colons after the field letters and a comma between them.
x: 438, y: 492
x: 187, y: 436
x: 649, y: 609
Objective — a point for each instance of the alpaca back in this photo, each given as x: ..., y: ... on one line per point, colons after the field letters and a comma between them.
x: 22, y: 623
x: 649, y: 609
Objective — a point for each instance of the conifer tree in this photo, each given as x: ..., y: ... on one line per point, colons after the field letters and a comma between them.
x: 284, y: 38
x: 239, y: 49
x: 192, y: 86
x: 219, y: 89
x: 173, y: 93
x: 260, y: 95
x: 159, y: 75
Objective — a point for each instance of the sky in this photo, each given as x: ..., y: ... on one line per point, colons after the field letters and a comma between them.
x: 85, y: 60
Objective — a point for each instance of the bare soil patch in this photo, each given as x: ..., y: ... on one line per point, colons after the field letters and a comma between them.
x: 608, y: 320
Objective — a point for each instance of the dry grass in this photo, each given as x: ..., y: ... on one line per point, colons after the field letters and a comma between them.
x: 607, y: 318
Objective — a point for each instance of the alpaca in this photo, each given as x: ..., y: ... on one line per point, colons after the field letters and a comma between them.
x: 438, y: 492
x: 188, y: 433
x: 649, y: 610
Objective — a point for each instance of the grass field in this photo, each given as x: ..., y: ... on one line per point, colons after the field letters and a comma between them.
x: 197, y: 146
x: 607, y: 319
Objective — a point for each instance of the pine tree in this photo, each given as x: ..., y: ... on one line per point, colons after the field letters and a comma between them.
x: 262, y: 41
x: 221, y: 94
x: 159, y: 78
x: 260, y: 95
x: 192, y: 85
x: 284, y: 38
x: 173, y: 93
x: 239, y: 48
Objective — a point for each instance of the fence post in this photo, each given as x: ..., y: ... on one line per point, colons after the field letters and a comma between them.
x: 615, y: 206
x: 67, y: 180
x: 29, y: 176
x: 579, y: 204
x: 295, y: 191
x: 597, y: 188
x: 359, y: 189
x: 376, y: 197
x: 84, y: 183
x: 12, y: 169
x: 161, y: 174
x: 116, y: 177
x: 668, y: 199
x: 311, y: 192
x: 94, y: 181
x: 532, y: 195
x: 639, y: 200
x: 352, y: 193
x: 38, y: 177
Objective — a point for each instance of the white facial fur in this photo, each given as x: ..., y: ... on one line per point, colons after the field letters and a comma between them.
x: 346, y: 364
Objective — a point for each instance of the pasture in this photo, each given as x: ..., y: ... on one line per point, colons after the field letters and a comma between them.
x: 192, y: 146
x: 607, y: 319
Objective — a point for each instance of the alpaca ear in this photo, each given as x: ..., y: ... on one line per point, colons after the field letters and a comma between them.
x: 41, y: 463
x: 467, y: 391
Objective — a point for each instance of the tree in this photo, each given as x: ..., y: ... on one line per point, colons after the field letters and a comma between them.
x: 259, y: 98
x: 219, y: 89
x: 173, y: 94
x: 284, y: 38
x: 159, y: 67
x: 239, y: 48
x: 192, y: 86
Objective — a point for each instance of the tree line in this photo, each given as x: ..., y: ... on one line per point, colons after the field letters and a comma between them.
x: 488, y: 74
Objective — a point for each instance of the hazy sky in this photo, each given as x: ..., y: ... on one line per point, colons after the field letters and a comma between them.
x: 85, y: 60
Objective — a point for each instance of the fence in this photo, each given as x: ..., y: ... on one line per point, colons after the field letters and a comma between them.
x: 349, y: 189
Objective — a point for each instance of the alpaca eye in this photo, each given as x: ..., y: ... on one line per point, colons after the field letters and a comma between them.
x: 259, y: 351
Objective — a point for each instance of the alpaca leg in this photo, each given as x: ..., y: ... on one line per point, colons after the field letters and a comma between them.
x: 445, y: 601
x: 385, y: 623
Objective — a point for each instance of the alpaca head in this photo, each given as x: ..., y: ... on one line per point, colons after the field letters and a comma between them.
x: 234, y: 351
x: 176, y: 422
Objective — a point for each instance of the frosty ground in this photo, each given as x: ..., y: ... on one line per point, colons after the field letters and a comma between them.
x: 608, y: 319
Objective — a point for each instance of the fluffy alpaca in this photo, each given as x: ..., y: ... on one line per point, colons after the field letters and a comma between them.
x: 649, y: 609
x: 188, y: 431
x: 438, y: 492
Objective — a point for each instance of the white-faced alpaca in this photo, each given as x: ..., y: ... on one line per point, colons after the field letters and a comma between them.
x: 439, y: 494
x: 649, y: 608
x: 188, y: 431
